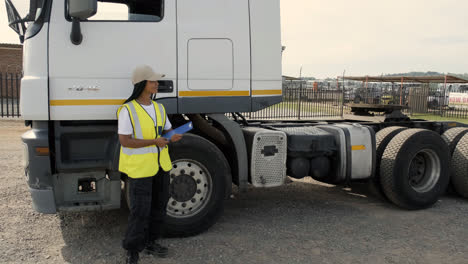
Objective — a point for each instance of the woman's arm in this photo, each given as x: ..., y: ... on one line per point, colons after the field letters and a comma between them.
x: 129, y: 142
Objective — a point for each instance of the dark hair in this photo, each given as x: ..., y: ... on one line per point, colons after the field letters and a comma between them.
x: 137, y: 90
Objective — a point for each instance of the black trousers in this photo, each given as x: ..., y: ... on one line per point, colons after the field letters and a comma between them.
x: 148, y: 202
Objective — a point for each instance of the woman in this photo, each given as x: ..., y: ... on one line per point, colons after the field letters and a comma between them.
x: 144, y: 158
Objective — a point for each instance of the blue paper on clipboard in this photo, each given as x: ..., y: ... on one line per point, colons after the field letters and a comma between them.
x: 180, y: 130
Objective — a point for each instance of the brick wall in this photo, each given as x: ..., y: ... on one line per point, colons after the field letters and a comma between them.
x: 11, y: 65
x: 11, y: 57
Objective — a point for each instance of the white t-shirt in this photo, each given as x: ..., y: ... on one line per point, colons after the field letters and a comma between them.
x: 125, y: 124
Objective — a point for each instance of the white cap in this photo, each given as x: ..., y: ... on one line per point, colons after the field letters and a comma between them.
x: 145, y: 73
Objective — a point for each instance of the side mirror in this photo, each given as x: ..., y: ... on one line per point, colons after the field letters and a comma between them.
x: 80, y: 10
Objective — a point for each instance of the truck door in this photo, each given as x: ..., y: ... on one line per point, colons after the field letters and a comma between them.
x: 91, y: 80
x: 213, y: 56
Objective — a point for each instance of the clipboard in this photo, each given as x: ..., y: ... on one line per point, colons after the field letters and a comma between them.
x: 180, y: 130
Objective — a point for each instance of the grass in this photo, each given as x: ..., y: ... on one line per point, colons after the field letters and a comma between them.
x: 439, y: 118
x: 328, y: 109
x: 309, y: 107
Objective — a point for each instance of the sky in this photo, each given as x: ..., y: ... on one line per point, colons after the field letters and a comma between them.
x: 360, y: 37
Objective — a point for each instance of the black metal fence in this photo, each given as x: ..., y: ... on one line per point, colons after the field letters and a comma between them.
x: 418, y: 99
x: 376, y: 94
x: 373, y: 93
x: 305, y: 100
x: 333, y: 99
x: 10, y: 94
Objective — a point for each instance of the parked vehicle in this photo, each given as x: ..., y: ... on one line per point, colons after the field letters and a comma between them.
x: 219, y: 56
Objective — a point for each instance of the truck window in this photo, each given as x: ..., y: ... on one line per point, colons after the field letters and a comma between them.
x: 129, y: 10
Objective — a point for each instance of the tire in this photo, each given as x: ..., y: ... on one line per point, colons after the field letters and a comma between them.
x: 452, y: 137
x: 460, y: 167
x: 206, y: 157
x: 382, y: 138
x: 415, y: 169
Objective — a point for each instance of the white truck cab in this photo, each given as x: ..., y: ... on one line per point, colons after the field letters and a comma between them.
x: 218, y: 57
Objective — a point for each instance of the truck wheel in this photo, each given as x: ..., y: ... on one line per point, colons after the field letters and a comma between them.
x: 452, y: 137
x: 382, y: 138
x: 200, y: 181
x: 460, y: 167
x: 415, y: 170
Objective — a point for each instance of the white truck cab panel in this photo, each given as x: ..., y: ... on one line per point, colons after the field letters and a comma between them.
x: 34, y: 96
x: 91, y: 80
x: 214, y: 47
x: 221, y: 56
x: 266, y: 47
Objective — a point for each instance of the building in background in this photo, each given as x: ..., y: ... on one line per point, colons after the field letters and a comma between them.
x: 11, y: 58
x: 11, y: 68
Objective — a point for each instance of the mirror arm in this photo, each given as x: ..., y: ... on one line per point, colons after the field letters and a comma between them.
x: 75, y: 36
x: 21, y: 21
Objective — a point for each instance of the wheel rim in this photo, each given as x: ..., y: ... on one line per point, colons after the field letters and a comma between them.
x: 424, y: 170
x: 190, y: 188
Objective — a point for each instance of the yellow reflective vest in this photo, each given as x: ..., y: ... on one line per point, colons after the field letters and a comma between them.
x: 143, y: 162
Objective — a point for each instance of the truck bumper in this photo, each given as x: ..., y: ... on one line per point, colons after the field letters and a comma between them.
x: 81, y: 188
x: 43, y: 200
x: 37, y: 167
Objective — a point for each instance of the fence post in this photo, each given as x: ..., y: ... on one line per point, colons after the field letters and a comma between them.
x: 18, y: 85
x: 12, y: 88
x: 342, y: 96
x: 443, y: 98
x: 299, y: 102
x: 6, y: 95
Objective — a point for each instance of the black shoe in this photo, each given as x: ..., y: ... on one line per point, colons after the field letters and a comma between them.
x: 132, y: 257
x: 153, y: 248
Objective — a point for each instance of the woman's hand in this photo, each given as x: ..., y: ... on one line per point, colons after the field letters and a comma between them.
x: 161, y: 142
x: 176, y: 137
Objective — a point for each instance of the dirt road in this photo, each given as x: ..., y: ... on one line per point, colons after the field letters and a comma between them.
x: 302, y: 222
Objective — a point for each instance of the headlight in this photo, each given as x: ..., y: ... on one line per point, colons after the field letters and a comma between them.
x: 25, y: 156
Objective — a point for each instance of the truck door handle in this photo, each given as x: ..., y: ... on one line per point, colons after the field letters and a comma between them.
x: 165, y: 86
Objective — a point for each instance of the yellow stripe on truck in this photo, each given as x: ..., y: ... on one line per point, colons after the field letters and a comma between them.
x: 80, y: 102
x: 358, y: 147
x: 87, y: 102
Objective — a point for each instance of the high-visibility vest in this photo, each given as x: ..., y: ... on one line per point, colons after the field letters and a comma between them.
x: 144, y: 162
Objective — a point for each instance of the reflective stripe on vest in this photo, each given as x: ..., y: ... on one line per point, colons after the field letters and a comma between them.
x: 137, y: 133
x: 140, y: 151
x: 143, y: 162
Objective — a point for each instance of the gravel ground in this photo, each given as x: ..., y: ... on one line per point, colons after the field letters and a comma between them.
x: 302, y: 222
